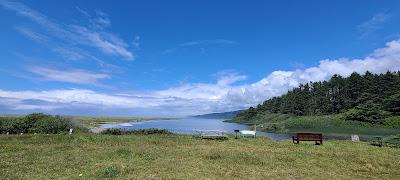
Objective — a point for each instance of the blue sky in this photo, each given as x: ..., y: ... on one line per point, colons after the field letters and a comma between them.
x: 176, y: 58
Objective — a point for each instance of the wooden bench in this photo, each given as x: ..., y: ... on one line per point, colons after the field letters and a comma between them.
x: 317, y: 137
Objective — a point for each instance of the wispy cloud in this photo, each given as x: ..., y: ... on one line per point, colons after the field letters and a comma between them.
x: 101, y: 20
x: 106, y: 42
x: 208, y: 42
x: 373, y: 24
x: 190, y: 98
x: 202, y: 44
x: 40, y: 38
x: 68, y: 53
x: 92, y: 35
x: 77, y: 76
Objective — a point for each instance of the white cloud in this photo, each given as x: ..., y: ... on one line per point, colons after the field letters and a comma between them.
x: 69, y: 54
x: 226, y: 78
x: 95, y: 37
x: 71, y: 76
x: 106, y: 42
x: 202, y: 44
x: 196, y: 98
x: 40, y: 38
x: 208, y: 42
x: 373, y: 24
x: 102, y: 20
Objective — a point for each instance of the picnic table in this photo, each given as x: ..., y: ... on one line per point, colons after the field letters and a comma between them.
x: 210, y: 134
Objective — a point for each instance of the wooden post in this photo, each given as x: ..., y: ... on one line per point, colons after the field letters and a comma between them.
x: 255, y: 130
x: 237, y: 133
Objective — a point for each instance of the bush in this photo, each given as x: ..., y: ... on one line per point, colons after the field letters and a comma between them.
x: 392, y: 141
x: 112, y: 131
x: 36, y: 123
x: 368, y: 112
x: 116, y: 131
x: 109, y: 172
x: 392, y: 104
x: 393, y: 122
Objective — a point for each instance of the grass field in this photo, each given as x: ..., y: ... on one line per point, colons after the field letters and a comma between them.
x: 182, y: 157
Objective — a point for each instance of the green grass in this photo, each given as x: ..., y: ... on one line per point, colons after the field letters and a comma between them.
x: 330, y: 125
x: 182, y: 157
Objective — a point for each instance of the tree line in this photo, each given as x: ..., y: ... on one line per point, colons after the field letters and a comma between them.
x: 368, y: 97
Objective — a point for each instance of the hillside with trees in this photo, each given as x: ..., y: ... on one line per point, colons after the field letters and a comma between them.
x: 223, y: 115
x: 368, y: 99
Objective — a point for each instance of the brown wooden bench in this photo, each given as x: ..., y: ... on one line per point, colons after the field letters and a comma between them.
x: 317, y: 137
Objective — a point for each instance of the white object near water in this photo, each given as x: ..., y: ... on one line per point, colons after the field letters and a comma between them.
x: 70, y: 131
x: 355, y: 138
x: 247, y: 133
x: 210, y: 134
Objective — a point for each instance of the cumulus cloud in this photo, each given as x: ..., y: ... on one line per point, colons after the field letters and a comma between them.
x: 92, y: 35
x: 196, y: 98
x: 226, y: 78
x: 71, y: 76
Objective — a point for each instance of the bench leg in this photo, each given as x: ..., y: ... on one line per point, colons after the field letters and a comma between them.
x: 295, y: 141
x: 318, y: 142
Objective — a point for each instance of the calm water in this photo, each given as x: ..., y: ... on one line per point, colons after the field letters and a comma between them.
x: 189, y: 125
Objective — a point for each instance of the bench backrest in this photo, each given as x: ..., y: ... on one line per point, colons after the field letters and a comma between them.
x: 308, y: 136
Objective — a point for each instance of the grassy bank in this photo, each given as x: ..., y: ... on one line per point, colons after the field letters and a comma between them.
x: 332, y: 125
x: 94, y: 121
x: 182, y: 157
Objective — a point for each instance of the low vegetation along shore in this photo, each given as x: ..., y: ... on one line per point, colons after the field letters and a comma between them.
x: 96, y: 121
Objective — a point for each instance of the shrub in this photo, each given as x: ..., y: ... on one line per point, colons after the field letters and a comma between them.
x: 393, y: 122
x: 392, y: 141
x: 51, y: 125
x: 116, y: 131
x: 36, y: 123
x: 368, y: 112
x: 109, y: 172
x: 392, y: 104
x: 112, y: 131
x: 149, y: 131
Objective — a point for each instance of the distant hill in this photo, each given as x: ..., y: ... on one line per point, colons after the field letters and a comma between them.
x: 223, y: 115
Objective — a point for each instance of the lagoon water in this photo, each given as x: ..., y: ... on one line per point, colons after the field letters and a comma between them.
x: 190, y: 125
